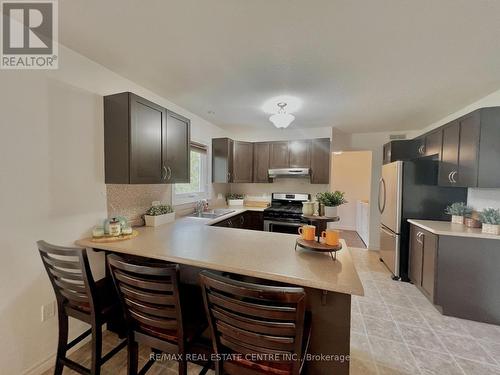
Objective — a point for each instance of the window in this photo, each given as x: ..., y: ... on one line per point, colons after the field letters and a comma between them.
x: 197, y: 188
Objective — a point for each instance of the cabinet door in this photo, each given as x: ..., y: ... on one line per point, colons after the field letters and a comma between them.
x: 429, y: 257
x: 147, y: 120
x: 434, y: 143
x: 449, y: 156
x: 387, y: 153
x: 468, y: 155
x: 299, y: 154
x: 320, y: 161
x: 416, y: 251
x: 279, y: 155
x: 176, y: 141
x: 261, y: 152
x: 222, y: 151
x: 242, y: 161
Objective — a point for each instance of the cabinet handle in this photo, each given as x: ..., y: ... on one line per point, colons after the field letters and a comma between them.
x: 453, y: 174
x: 228, y: 176
x: 164, y: 173
x: 419, y: 240
x: 242, y: 220
x: 230, y: 223
x: 169, y: 173
x: 449, y: 177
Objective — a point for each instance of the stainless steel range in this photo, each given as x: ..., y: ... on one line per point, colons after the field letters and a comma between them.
x: 284, y: 214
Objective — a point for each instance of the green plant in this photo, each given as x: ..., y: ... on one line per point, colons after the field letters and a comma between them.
x: 161, y: 209
x: 329, y: 199
x: 234, y: 196
x: 490, y: 216
x: 458, y: 209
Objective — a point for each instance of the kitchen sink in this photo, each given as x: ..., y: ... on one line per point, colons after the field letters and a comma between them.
x: 212, y: 214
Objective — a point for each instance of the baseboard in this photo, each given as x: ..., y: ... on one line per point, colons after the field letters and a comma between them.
x: 50, y: 361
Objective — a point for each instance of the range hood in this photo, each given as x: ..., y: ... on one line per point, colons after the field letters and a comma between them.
x: 289, y: 172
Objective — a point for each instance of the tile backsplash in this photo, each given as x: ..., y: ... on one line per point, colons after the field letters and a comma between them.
x: 483, y: 198
x: 282, y: 185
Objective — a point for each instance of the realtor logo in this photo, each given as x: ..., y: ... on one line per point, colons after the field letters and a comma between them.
x: 29, y: 35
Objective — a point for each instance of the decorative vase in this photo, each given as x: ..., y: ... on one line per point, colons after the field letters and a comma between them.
x: 491, y: 228
x: 154, y: 221
x: 235, y: 202
x: 472, y: 223
x: 330, y: 211
x: 457, y: 219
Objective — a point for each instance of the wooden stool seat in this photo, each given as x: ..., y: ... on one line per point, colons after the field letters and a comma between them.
x: 160, y: 312
x: 80, y: 297
x: 256, y: 329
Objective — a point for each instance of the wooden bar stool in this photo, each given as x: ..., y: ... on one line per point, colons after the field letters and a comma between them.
x: 80, y: 297
x: 256, y: 329
x: 159, y: 312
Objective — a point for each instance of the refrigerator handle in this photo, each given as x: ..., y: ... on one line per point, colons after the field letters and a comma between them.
x: 393, y: 235
x: 381, y: 186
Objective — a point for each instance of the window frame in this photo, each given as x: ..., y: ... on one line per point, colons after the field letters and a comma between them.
x: 186, y: 198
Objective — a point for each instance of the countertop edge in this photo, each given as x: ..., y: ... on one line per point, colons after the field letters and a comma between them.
x: 459, y: 230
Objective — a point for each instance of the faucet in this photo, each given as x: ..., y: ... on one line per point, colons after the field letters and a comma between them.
x: 200, y: 206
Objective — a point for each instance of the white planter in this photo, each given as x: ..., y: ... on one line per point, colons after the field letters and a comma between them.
x: 491, y: 228
x: 330, y: 211
x: 154, y: 221
x: 457, y: 219
x: 235, y: 202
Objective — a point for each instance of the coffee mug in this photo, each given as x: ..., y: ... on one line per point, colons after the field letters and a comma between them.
x: 307, y: 232
x: 331, y: 236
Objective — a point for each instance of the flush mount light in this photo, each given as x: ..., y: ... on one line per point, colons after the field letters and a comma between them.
x: 282, y: 119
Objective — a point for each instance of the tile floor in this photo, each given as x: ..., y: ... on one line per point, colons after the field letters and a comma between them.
x: 394, y: 330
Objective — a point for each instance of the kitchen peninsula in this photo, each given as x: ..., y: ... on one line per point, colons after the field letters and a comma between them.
x: 329, y: 284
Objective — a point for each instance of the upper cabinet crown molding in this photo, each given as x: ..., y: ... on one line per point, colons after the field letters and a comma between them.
x: 144, y: 143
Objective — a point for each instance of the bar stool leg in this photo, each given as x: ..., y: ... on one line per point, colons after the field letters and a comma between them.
x: 96, y: 349
x: 182, y: 367
x: 133, y: 356
x: 62, y: 342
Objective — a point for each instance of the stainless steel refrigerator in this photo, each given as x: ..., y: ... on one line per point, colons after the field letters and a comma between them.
x: 408, y: 190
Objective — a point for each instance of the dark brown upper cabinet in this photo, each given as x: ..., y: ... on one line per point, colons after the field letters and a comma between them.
x: 242, y: 161
x: 299, y: 153
x: 176, y: 143
x: 232, y: 161
x: 434, y: 143
x: 280, y: 157
x: 459, y: 160
x: 320, y: 161
x: 138, y: 144
x: 406, y: 149
x: 222, y: 160
x: 261, y: 152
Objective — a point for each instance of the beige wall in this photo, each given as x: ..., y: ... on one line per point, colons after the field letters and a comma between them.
x: 351, y: 173
x: 52, y: 187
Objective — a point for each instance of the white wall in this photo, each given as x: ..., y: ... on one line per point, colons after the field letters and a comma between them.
x: 351, y: 173
x: 52, y: 188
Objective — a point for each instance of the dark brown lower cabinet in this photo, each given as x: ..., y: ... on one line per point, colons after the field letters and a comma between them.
x: 423, y: 257
x: 459, y: 275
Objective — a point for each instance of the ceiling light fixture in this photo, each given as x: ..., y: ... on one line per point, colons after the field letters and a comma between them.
x: 282, y: 119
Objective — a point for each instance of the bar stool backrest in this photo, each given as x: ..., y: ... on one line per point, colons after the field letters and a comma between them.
x: 248, y: 319
x: 69, y: 272
x: 149, y: 294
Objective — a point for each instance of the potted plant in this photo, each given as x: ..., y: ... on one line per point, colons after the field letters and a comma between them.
x: 331, y: 201
x: 490, y: 217
x: 457, y: 211
x: 234, y: 199
x: 158, y: 215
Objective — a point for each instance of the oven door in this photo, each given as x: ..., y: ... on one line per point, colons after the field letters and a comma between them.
x: 281, y: 226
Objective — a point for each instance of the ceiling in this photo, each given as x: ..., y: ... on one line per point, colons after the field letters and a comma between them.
x: 359, y: 65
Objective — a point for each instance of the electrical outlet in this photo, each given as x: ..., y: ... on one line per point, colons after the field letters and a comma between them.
x: 48, y: 311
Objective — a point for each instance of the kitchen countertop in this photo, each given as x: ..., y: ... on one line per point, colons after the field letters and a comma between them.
x: 446, y: 228
x: 267, y: 255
